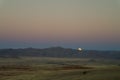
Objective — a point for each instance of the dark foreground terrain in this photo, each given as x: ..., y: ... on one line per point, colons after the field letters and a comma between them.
x: 46, y: 68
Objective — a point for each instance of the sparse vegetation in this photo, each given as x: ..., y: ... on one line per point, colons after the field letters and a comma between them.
x: 35, y: 68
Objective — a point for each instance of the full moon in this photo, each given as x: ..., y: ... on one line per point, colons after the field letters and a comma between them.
x: 80, y: 49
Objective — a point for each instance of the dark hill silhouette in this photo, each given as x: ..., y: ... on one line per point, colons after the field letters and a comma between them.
x: 58, y: 52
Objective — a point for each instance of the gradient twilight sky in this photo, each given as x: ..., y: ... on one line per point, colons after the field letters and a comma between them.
x: 90, y: 24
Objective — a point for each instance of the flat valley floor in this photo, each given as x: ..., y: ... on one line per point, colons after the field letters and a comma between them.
x: 46, y: 68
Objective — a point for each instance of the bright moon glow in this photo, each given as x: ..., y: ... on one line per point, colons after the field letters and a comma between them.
x: 80, y: 49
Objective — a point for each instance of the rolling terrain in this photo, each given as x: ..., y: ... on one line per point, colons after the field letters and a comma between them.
x: 46, y: 68
x: 58, y: 52
x: 58, y: 63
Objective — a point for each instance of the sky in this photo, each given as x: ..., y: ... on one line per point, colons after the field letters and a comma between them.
x: 89, y: 24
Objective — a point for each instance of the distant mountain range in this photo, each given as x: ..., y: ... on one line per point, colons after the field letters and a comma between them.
x: 58, y: 52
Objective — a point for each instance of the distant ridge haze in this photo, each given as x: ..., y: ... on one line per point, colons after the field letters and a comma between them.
x: 58, y: 52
